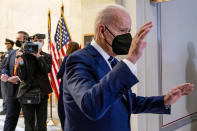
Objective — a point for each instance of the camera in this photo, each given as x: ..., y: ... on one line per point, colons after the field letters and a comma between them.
x: 31, y: 44
x: 30, y: 47
x: 39, y: 36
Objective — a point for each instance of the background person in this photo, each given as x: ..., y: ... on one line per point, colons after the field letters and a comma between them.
x: 4, y: 85
x: 35, y: 86
x: 72, y: 47
x: 9, y: 74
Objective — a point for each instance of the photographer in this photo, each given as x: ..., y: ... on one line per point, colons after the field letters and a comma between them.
x: 33, y: 69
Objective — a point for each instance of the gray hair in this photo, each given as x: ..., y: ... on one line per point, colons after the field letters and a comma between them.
x: 108, y: 15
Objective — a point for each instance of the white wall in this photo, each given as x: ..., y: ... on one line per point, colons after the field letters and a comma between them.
x: 31, y: 16
x: 148, y: 66
x: 73, y: 16
x: 27, y: 15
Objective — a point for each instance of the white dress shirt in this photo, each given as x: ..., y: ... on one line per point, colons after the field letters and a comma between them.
x: 106, y: 57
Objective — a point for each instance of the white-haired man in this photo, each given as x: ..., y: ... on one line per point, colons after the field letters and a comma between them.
x: 97, y: 95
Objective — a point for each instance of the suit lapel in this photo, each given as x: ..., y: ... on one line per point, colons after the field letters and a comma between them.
x: 103, y: 64
x: 98, y: 57
x: 12, y: 63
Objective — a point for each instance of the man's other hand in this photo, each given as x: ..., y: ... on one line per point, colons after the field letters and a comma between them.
x: 4, y: 77
x: 177, y: 92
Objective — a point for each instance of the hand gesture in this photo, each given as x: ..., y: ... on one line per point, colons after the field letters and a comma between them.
x: 4, y: 77
x: 19, y: 53
x: 177, y: 92
x: 137, y: 45
x: 13, y: 79
x: 20, y: 60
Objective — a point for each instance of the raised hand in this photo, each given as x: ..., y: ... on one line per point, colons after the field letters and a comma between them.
x: 138, y: 45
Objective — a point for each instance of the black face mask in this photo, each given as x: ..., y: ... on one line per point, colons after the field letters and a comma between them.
x: 19, y: 43
x: 121, y: 43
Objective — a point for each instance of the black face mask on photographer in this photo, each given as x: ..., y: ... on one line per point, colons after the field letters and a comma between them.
x: 19, y: 43
x: 121, y: 43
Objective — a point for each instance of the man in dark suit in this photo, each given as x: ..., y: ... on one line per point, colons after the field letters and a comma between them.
x: 97, y: 95
x: 9, y: 75
x: 72, y: 47
x: 4, y: 85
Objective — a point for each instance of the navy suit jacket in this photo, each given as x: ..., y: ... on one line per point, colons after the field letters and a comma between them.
x: 93, y: 94
x: 8, y: 68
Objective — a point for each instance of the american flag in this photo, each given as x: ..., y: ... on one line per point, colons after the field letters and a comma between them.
x: 54, y: 81
x: 62, y: 35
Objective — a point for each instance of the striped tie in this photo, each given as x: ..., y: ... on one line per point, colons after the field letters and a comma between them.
x: 112, y: 61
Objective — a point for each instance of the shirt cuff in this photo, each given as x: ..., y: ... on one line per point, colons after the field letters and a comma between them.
x: 131, y: 66
x: 168, y: 107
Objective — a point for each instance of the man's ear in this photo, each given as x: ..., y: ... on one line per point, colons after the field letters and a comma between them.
x: 101, y: 30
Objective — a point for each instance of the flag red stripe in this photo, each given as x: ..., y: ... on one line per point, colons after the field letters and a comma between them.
x: 54, y: 75
x: 65, y: 48
x: 54, y: 53
x: 54, y: 60
x: 54, y: 85
x: 54, y: 69
x: 62, y: 50
x: 54, y: 82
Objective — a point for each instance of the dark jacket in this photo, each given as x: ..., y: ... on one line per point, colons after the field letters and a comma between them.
x: 60, y: 74
x: 8, y: 68
x: 93, y: 94
x: 34, y: 71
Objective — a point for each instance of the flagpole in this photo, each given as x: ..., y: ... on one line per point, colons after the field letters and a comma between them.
x: 50, y: 122
x: 49, y: 14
